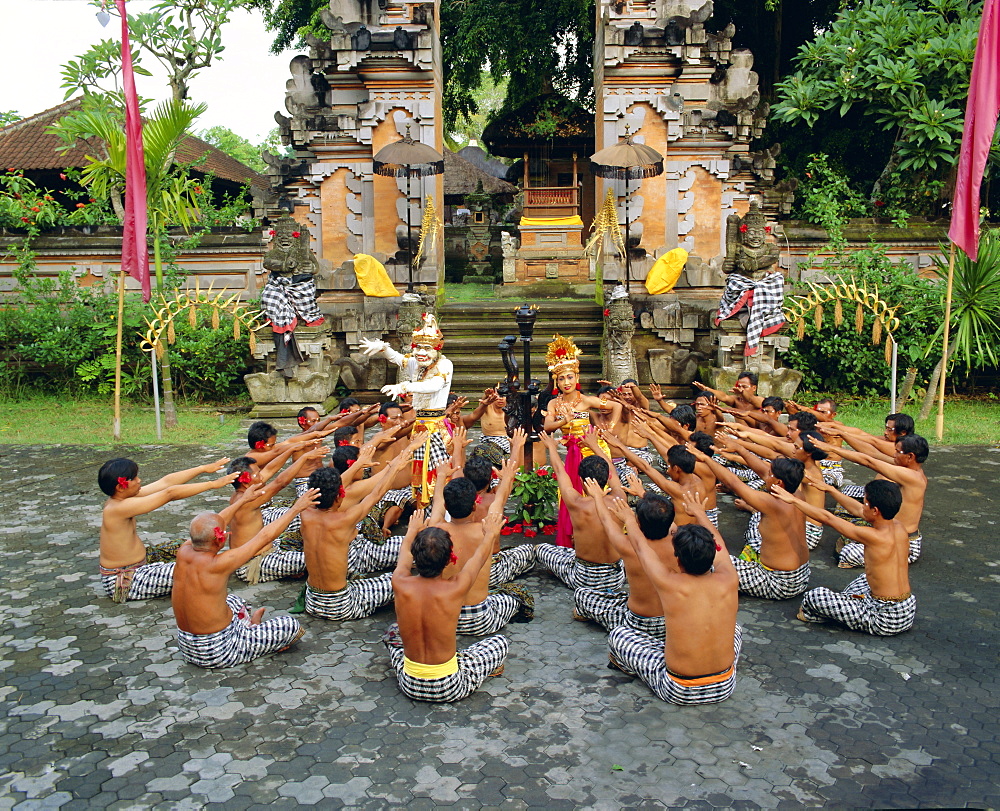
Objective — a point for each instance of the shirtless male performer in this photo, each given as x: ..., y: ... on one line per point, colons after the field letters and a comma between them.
x: 696, y: 664
x: 878, y: 602
x: 130, y: 571
x: 422, y: 646
x: 215, y: 628
x: 638, y: 608
x: 327, y: 532
x: 780, y: 570
x: 592, y: 561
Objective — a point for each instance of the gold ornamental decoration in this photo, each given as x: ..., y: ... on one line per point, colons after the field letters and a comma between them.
x: 848, y: 291
x: 430, y: 230
x: 606, y: 224
x: 191, y: 301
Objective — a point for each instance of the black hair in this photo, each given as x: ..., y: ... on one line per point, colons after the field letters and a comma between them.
x: 327, y: 481
x: 479, y: 471
x: 259, y: 432
x: 749, y: 376
x: 112, y: 470
x: 655, y: 514
x: 460, y: 497
x: 885, y: 496
x: 915, y: 444
x: 630, y: 381
x: 240, y: 464
x: 805, y: 420
x: 833, y: 404
x: 431, y: 551
x: 686, y: 416
x: 594, y: 467
x: 902, y: 424
x: 384, y: 408
x: 342, y: 455
x: 348, y: 403
x: 345, y: 432
x: 452, y: 398
x: 808, y: 437
x: 788, y: 471
x: 702, y: 395
x: 682, y: 457
x: 306, y: 410
x: 703, y: 442
x: 773, y: 402
x: 694, y: 546
x: 605, y: 389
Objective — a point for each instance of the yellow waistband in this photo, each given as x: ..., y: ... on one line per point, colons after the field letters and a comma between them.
x: 421, y: 671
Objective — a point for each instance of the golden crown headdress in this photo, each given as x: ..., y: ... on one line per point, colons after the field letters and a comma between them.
x: 562, y: 353
x: 428, y: 332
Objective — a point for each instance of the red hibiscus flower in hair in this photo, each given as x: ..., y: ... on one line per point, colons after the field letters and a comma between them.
x: 343, y: 443
x: 260, y: 445
x: 453, y: 559
x: 341, y: 493
x: 123, y: 482
x: 245, y: 477
x: 351, y: 462
x: 220, y: 535
x: 382, y: 418
x: 345, y: 411
x: 303, y: 422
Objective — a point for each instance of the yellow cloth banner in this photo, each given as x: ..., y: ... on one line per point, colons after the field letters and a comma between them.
x: 421, y: 671
x: 666, y: 271
x: 541, y: 222
x: 372, y: 278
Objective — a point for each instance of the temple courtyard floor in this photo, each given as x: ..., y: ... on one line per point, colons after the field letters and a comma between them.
x: 100, y: 711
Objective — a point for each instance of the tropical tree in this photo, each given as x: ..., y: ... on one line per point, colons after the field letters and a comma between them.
x: 234, y: 145
x: 904, y: 66
x: 171, y: 195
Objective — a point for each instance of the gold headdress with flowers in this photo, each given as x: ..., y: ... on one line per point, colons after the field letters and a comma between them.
x: 562, y: 354
x: 428, y: 332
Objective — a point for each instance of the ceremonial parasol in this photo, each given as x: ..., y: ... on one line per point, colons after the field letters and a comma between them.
x: 627, y: 161
x: 408, y: 158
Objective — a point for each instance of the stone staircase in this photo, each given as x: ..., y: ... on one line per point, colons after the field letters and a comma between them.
x: 473, y: 330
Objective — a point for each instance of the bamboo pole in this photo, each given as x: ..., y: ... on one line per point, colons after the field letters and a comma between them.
x: 117, y: 428
x: 944, y: 345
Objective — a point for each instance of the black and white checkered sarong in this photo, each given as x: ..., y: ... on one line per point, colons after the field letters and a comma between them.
x: 576, y: 573
x: 363, y: 556
x: 642, y: 655
x: 240, y: 641
x: 273, y: 565
x: 857, y: 609
x: 610, y: 609
x: 489, y: 616
x: 814, y: 534
x: 272, y: 511
x: 771, y: 584
x: 475, y: 663
x: 358, y: 599
x: 285, y: 302
x: 510, y: 563
x: 764, y: 298
x: 833, y: 472
x: 147, y: 581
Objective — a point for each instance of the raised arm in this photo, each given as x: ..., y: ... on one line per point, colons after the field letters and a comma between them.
x: 182, y: 477
x: 755, y: 498
x: 665, y: 483
x: 232, y: 559
x: 612, y: 526
x: 140, y: 505
x: 469, y: 571
x: 355, y: 512
x: 590, y: 439
x: 566, y: 488
x: 845, y: 528
x: 404, y: 563
x: 696, y: 509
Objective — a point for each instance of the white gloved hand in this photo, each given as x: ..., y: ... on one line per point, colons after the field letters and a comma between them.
x: 373, y: 348
x: 394, y: 391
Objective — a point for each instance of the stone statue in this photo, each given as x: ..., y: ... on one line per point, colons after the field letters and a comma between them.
x: 426, y: 374
x: 619, y: 327
x: 747, y: 251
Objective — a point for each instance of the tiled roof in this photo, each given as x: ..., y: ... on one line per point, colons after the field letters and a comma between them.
x: 26, y: 145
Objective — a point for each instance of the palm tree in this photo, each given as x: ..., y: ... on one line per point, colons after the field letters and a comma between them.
x: 170, y: 193
x: 975, y: 310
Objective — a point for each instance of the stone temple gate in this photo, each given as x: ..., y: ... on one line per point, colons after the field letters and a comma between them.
x: 658, y: 72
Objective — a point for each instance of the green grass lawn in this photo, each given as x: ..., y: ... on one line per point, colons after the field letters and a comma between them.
x: 88, y: 421
x: 967, y: 421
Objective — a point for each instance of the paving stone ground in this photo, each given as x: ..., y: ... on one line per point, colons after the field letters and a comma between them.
x: 100, y: 711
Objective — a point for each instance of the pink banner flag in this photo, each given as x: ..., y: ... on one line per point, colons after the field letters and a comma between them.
x: 980, y: 124
x: 135, y: 254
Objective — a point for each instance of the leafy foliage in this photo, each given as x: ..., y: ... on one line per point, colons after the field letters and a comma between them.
x: 234, y: 145
x: 537, y: 491
x: 904, y: 65
x: 975, y: 305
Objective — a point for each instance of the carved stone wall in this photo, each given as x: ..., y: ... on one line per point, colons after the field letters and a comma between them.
x: 376, y: 78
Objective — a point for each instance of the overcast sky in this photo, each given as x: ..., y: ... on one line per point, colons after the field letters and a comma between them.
x: 242, y: 91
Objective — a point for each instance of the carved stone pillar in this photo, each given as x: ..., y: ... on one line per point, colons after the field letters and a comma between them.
x: 619, y: 327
